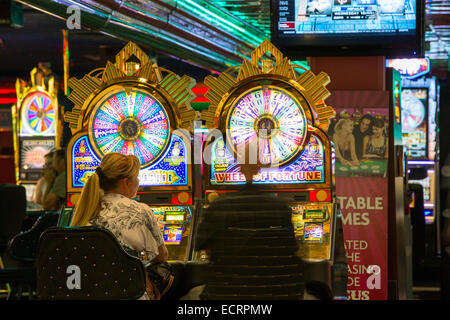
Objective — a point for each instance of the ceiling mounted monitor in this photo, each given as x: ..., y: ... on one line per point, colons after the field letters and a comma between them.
x: 308, y: 28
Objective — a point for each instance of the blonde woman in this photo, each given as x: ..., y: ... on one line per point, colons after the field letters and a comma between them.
x: 106, y: 201
x: 344, y: 142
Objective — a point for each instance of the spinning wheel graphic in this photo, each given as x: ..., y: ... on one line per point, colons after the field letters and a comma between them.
x: 38, y: 113
x: 273, y: 118
x: 413, y: 112
x: 133, y: 122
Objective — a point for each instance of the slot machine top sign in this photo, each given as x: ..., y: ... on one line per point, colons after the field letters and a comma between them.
x: 131, y: 107
x: 269, y: 104
x: 37, y: 104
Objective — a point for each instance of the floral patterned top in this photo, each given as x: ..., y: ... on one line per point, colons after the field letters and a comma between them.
x: 132, y: 222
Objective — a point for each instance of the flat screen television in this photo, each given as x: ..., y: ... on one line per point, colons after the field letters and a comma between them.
x: 308, y: 28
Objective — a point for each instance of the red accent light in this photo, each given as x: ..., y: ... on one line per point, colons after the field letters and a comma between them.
x: 8, y: 100
x: 68, y: 202
x: 313, y: 196
x: 176, y: 202
x: 200, y: 89
x: 8, y: 91
x: 201, y: 99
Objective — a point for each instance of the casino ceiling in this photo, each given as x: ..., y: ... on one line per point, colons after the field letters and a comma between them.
x: 211, y: 35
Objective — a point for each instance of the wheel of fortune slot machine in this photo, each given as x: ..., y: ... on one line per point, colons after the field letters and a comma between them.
x: 37, y: 127
x: 135, y: 107
x: 289, y: 106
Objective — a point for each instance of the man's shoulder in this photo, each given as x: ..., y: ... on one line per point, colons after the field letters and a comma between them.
x: 61, y: 177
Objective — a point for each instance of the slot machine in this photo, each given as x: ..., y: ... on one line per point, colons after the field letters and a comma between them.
x: 289, y: 105
x: 419, y: 95
x: 37, y: 127
x: 133, y: 106
x: 419, y: 99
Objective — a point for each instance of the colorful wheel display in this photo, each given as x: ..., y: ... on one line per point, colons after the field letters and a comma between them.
x: 272, y: 117
x: 130, y: 123
x: 38, y: 113
x: 413, y: 112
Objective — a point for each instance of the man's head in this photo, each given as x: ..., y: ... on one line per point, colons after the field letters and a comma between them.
x: 249, y: 163
x: 59, y: 163
x: 364, y: 123
x: 48, y: 160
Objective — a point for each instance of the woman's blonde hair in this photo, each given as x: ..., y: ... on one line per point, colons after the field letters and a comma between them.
x: 341, y: 123
x: 112, y: 169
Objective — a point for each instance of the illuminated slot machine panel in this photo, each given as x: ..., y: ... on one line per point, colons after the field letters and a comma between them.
x: 313, y: 226
x: 415, y: 122
x: 139, y: 111
x: 176, y: 227
x: 36, y: 127
x: 303, y: 183
x: 273, y: 113
x: 429, y: 195
x: 164, y: 181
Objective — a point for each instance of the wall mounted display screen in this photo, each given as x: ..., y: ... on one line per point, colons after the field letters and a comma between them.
x: 414, y: 107
x: 388, y: 27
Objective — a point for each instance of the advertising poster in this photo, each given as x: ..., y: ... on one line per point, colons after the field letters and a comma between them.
x: 360, y: 136
x: 364, y: 206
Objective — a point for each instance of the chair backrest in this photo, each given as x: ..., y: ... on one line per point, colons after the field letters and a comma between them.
x: 23, y: 246
x: 86, y: 263
x: 13, y: 202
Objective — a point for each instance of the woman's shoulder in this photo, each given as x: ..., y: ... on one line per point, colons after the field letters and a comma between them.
x: 115, y: 199
x: 120, y: 205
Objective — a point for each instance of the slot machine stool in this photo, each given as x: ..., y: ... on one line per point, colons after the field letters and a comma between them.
x: 86, y: 263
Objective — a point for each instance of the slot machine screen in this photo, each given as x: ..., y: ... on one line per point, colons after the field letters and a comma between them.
x: 172, y: 234
x: 313, y: 232
x: 314, y: 214
x: 414, y: 121
x: 425, y: 183
x: 33, y: 153
x: 175, y: 216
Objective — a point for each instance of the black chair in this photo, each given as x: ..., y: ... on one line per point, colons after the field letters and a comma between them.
x: 91, y: 257
x: 19, y: 271
x: 23, y: 246
x: 13, y: 204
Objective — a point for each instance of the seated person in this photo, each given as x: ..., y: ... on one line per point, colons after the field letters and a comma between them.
x: 376, y: 144
x: 345, y: 143
x: 56, y: 195
x: 106, y: 201
x: 250, y: 241
x: 46, y: 181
